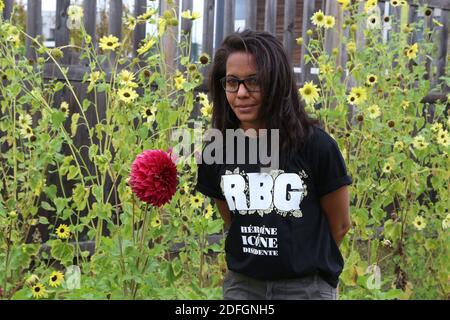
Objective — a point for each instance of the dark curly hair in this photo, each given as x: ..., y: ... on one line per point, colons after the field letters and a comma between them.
x: 281, y: 108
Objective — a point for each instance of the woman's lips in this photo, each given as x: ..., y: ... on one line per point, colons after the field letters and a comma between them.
x: 245, y: 108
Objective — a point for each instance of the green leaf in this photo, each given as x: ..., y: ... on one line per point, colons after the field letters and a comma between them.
x: 43, y: 220
x: 58, y: 118
x: 62, y: 251
x: 74, y: 124
x: 97, y: 192
x: 46, y: 206
x: 73, y: 173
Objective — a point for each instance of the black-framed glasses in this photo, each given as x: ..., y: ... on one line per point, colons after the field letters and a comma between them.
x: 231, y: 84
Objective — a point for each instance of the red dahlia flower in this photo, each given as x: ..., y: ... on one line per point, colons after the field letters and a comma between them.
x: 153, y: 177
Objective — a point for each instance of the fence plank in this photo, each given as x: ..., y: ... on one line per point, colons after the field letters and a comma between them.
x: 8, y: 9
x: 139, y: 32
x: 442, y: 54
x: 170, y: 37
x: 90, y: 10
x: 270, y: 18
x: 115, y: 18
x: 220, y: 9
x: 34, y: 25
x: 308, y: 10
x: 61, y: 30
x: 332, y: 34
x: 229, y: 17
x: 251, y: 14
x: 208, y: 27
x: 289, y: 24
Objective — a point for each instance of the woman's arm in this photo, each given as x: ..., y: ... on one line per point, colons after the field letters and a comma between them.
x: 224, y: 212
x: 336, y: 208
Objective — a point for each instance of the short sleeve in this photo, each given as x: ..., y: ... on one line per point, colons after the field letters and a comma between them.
x: 329, y: 165
x: 208, y: 181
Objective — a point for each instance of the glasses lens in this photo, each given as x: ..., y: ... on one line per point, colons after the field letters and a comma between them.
x: 230, y: 84
x: 252, y: 84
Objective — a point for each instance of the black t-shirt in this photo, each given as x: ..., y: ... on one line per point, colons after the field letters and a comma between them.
x: 278, y: 229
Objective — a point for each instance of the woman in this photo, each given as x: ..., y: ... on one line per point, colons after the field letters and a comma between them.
x: 284, y: 226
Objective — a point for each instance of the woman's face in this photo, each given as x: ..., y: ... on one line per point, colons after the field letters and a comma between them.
x: 245, y: 105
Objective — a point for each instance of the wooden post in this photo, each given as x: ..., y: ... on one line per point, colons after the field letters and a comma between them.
x: 332, y: 34
x: 360, y: 40
x: 289, y: 24
x: 170, y: 38
x: 8, y: 9
x: 115, y: 18
x: 270, y: 19
x: 308, y: 10
x: 219, y: 23
x: 229, y: 17
x: 251, y: 14
x: 34, y: 25
x: 427, y: 28
x: 208, y: 27
x: 140, y: 7
x: 90, y: 10
x: 442, y: 54
x: 186, y: 28
x: 61, y: 29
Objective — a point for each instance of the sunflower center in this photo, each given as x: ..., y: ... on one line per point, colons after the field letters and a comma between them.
x: 37, y: 289
x: 308, y: 91
x: 126, y: 95
x: 54, y: 278
x: 109, y: 44
x: 371, y: 79
x: 148, y: 112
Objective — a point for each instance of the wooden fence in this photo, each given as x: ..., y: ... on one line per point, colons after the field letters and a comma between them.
x: 276, y: 13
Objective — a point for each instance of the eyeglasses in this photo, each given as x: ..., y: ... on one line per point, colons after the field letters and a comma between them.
x: 231, y: 84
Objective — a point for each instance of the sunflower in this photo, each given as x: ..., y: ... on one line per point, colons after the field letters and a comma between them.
x: 411, y: 52
x: 206, y: 110
x: 26, y: 132
x: 419, y: 143
x: 179, y: 81
x: 32, y: 280
x: 148, y: 113
x: 370, y: 4
x: 202, y: 97
x: 371, y: 79
x: 373, y: 21
x: 38, y: 291
x: 75, y: 12
x: 64, y: 107
x: 25, y: 120
x: 443, y: 138
x: 208, y: 212
x: 156, y: 222
x: 148, y: 14
x: 147, y: 46
x: 436, y: 127
x: 318, y: 18
x: 109, y: 43
x: 127, y: 95
x: 309, y: 92
x: 399, y: 145
x: 374, y: 111
x: 351, y: 47
x: 395, y: 3
x: 196, y: 201
x: 55, y: 279
x: 63, y: 231
x: 204, y: 58
x: 2, y: 5
x: 125, y: 77
x: 405, y: 104
x: 344, y: 3
x: 387, y: 168
x: 190, y: 16
x: 419, y: 223
x: 446, y: 222
x: 357, y: 95
x: 329, y: 22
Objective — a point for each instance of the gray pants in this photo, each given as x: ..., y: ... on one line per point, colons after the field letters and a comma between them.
x: 237, y: 286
